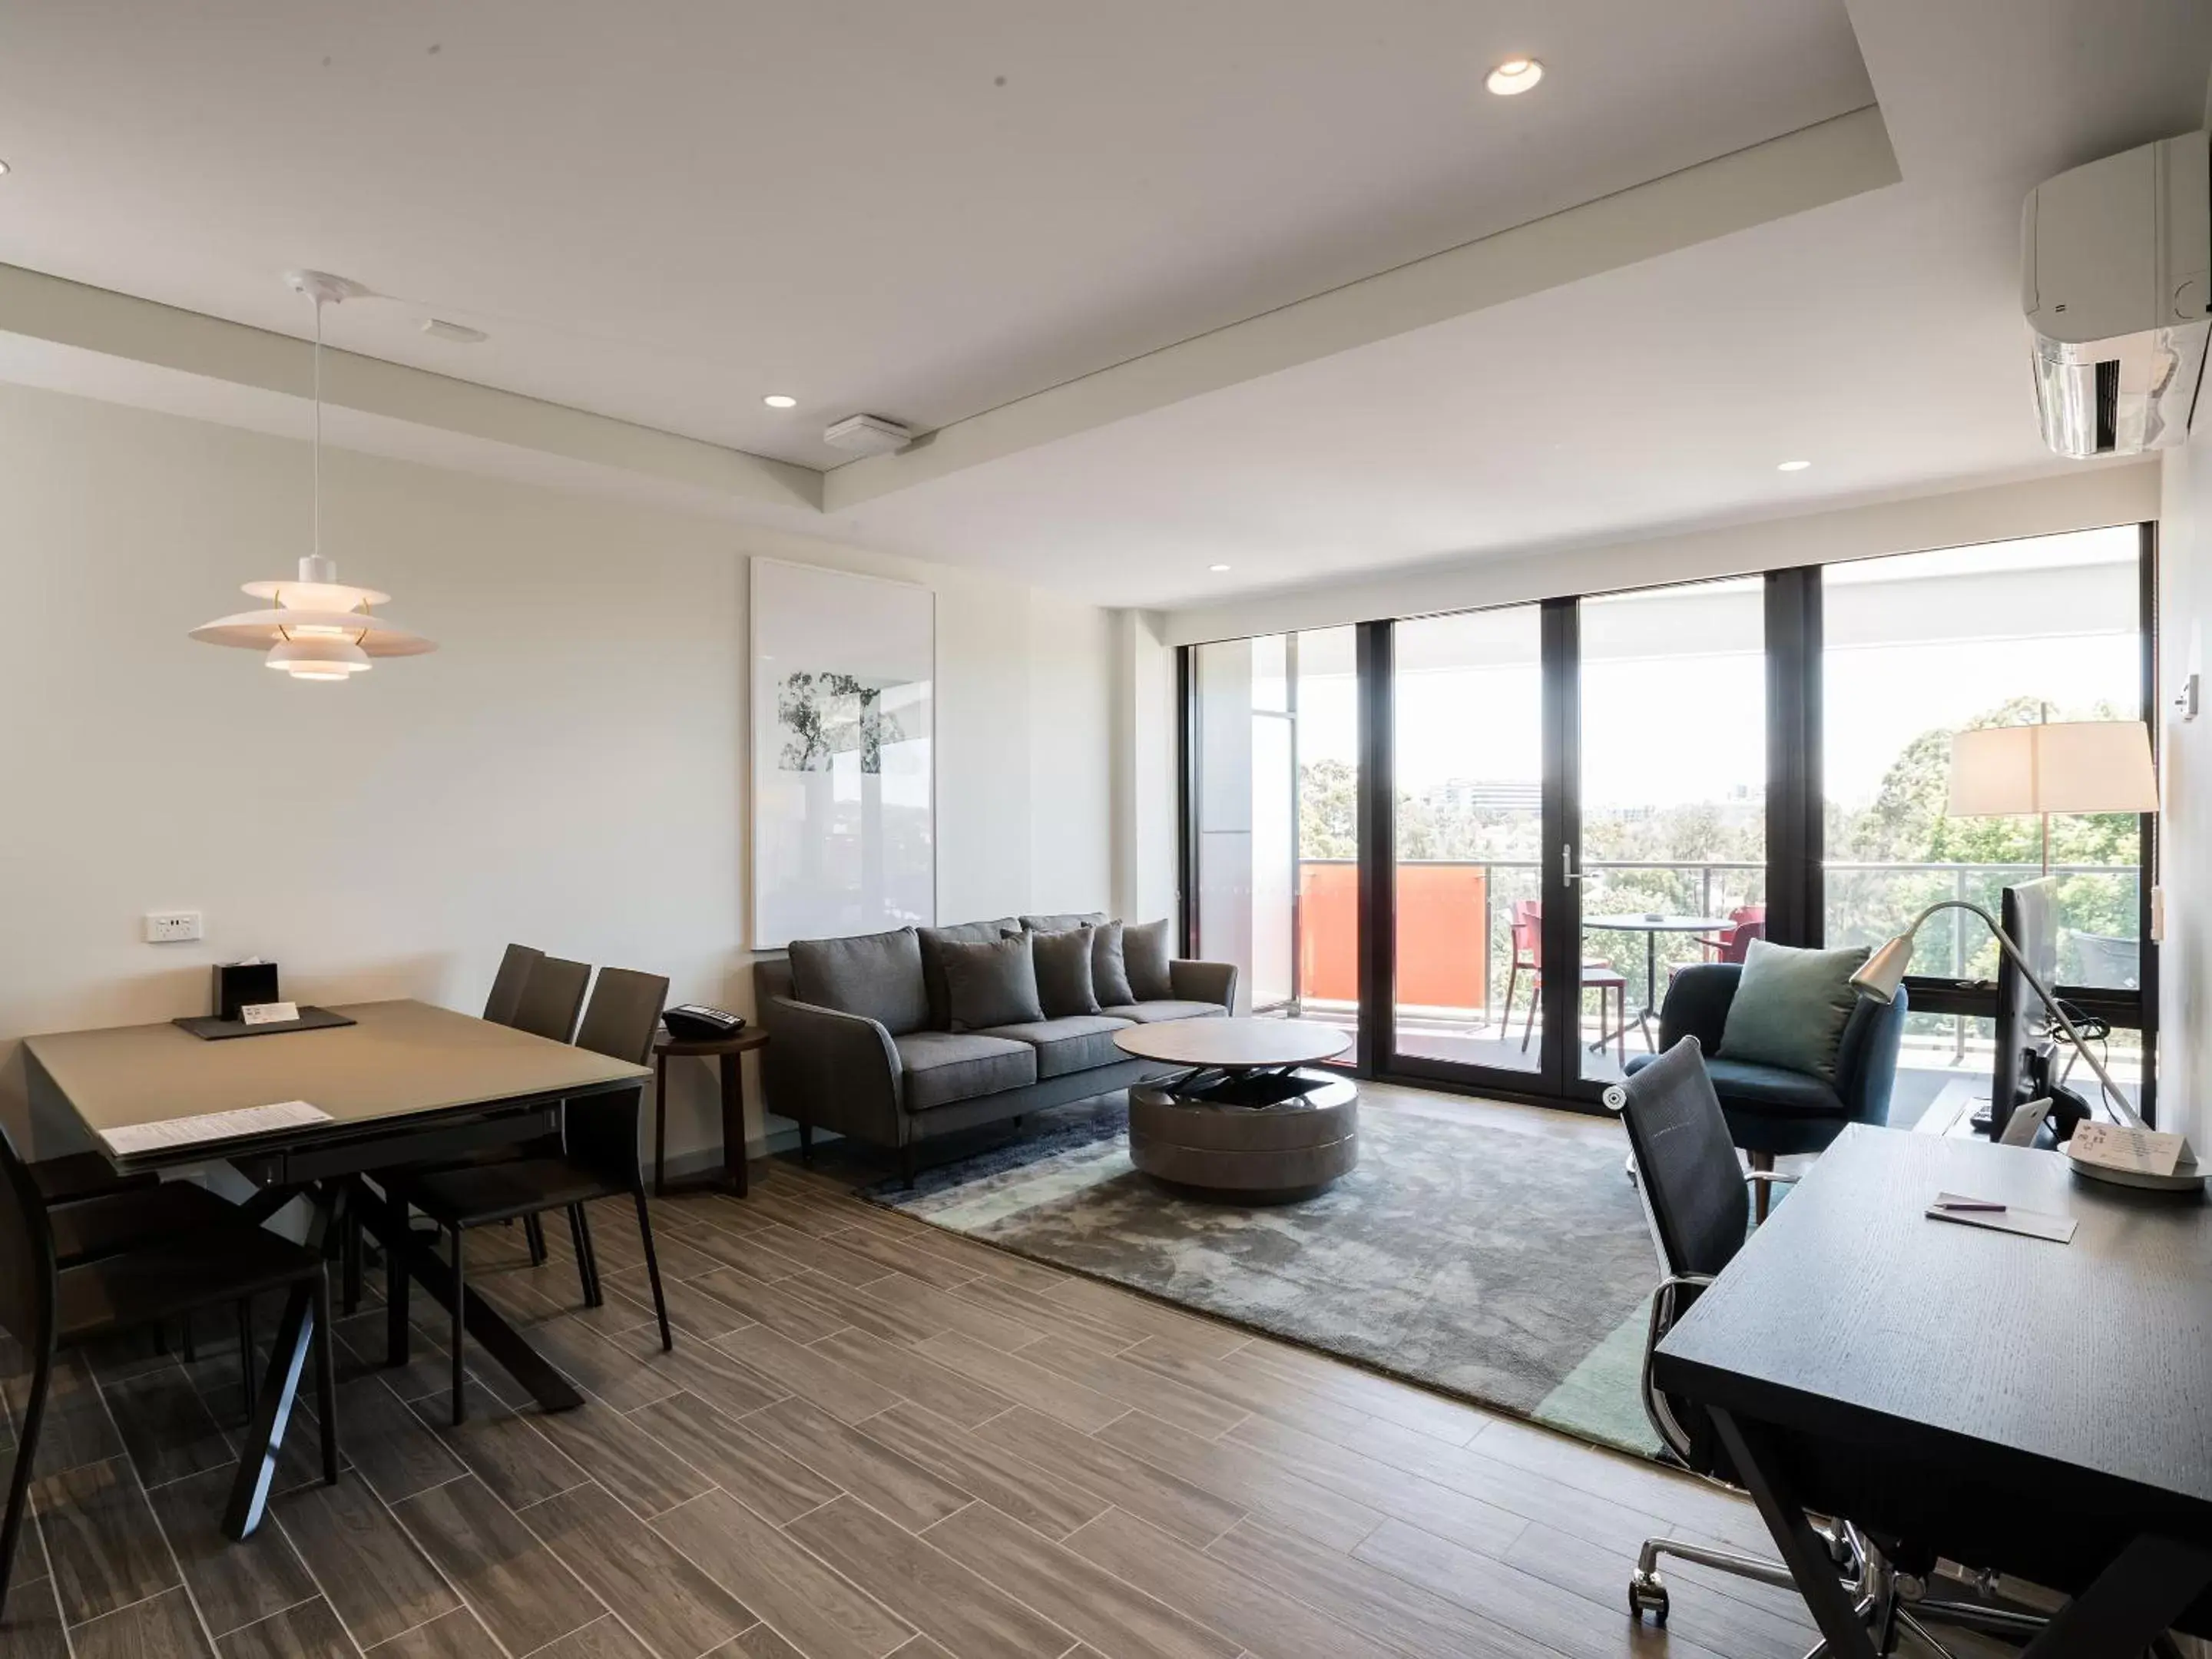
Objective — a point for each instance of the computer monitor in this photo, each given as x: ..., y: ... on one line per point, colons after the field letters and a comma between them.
x: 2029, y: 916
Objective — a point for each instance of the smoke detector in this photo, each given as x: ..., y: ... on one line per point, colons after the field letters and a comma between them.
x: 867, y: 434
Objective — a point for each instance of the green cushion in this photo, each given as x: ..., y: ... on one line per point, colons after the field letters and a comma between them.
x: 1791, y: 1008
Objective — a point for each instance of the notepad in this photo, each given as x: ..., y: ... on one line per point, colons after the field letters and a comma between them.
x: 2134, y: 1151
x: 2028, y: 1224
x: 133, y: 1138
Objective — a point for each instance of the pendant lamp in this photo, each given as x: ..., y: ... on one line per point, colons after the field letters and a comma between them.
x: 316, y: 628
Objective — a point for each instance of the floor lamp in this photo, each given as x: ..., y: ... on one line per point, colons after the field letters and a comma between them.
x: 2058, y: 766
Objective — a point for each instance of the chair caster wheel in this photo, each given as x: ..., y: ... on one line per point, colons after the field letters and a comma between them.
x: 1646, y: 1595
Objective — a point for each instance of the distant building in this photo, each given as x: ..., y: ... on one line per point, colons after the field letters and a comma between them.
x: 1478, y: 795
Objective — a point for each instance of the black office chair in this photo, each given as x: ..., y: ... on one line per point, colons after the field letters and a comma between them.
x: 505, y: 998
x: 1696, y: 1202
x: 595, y: 1156
x: 47, y: 1306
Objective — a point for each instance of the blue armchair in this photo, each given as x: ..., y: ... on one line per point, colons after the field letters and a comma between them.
x: 1772, y: 1111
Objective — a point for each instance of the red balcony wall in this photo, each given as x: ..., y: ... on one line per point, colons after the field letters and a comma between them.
x: 1440, y: 943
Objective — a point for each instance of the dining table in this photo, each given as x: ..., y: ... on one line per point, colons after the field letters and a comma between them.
x: 304, y: 1114
x: 1651, y: 924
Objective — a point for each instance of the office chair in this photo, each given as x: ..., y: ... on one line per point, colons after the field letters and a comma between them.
x: 1696, y: 1202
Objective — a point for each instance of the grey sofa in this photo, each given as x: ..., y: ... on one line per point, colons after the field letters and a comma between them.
x: 885, y: 1067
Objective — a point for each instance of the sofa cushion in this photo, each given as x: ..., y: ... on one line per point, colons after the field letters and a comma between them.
x: 989, y: 982
x: 938, y: 1068
x: 1062, y: 1046
x: 1144, y: 953
x: 1063, y: 972
x: 1749, y: 1085
x: 1110, y: 980
x: 1164, y: 1008
x: 1061, y: 924
x: 877, y: 976
x: 1791, y: 1008
x: 932, y: 968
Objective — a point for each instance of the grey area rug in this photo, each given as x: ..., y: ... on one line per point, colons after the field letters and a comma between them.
x: 1510, y: 1268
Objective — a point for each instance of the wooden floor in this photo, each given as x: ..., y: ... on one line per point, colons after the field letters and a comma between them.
x: 872, y: 1438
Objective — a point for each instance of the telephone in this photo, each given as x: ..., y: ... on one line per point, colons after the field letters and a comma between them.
x: 692, y: 1021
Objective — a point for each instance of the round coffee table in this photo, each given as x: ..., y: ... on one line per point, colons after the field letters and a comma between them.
x: 1245, y: 1121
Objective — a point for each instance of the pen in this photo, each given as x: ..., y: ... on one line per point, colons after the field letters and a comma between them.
x: 1967, y: 1204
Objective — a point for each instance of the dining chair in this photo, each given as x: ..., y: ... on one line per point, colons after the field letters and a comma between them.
x: 48, y: 1306
x: 1746, y: 923
x: 506, y: 998
x: 552, y: 994
x: 596, y: 1156
x: 1600, y: 975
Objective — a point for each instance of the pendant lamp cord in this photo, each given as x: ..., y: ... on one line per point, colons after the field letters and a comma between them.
x: 319, y: 426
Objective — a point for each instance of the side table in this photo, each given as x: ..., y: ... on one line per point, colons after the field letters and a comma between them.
x: 730, y: 1051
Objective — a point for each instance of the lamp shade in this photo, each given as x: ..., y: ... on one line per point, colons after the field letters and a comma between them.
x: 2067, y: 765
x: 1884, y: 970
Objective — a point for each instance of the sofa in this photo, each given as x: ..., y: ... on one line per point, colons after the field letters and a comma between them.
x: 875, y: 1056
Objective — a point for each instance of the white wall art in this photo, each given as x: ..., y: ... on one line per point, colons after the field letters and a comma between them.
x: 843, y: 753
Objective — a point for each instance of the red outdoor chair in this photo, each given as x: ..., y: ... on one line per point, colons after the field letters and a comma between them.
x: 1597, y: 975
x: 1746, y: 923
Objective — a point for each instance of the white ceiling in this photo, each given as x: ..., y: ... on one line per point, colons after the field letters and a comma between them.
x: 661, y: 213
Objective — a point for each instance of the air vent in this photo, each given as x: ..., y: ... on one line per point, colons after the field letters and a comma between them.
x: 867, y: 434
x: 2108, y: 405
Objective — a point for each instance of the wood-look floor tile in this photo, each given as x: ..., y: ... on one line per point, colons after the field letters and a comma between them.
x: 819, y: 1211
x: 735, y: 1458
x: 1261, y: 1396
x: 772, y: 1304
x: 503, y: 1449
x: 166, y: 1426
x: 656, y: 1590
x: 1044, y: 1314
x: 512, y: 1581
x: 695, y: 1211
x: 1205, y: 1339
x: 77, y: 1429
x: 962, y: 1612
x: 234, y: 1583
x: 692, y: 1310
x: 376, y: 1577
x: 980, y: 1467
x: 1247, y: 1477
x: 885, y: 1480
x: 745, y: 1251
x: 1024, y: 1381
x: 1702, y: 1613
x: 1075, y: 1593
x: 762, y: 1642
x: 106, y: 1550
x: 915, y: 1377
x: 1403, y: 1615
x: 594, y: 1363
x: 1444, y: 1511
x: 161, y: 1627
x: 1187, y: 1408
x: 1167, y: 1500
x: 31, y: 1624
x: 390, y: 1446
x: 1509, y: 1600
x: 900, y: 1253
x: 451, y: 1636
x: 309, y: 1631
x: 628, y: 1463
x: 616, y: 1244
x: 1245, y: 1610
x: 791, y: 1591
x: 907, y: 1318
x: 1451, y: 1421
x: 1633, y: 1481
x: 820, y: 1256
x: 609, y: 1638
x: 800, y: 1371
x: 694, y: 1366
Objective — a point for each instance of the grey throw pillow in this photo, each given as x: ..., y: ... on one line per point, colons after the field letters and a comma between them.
x: 1110, y: 980
x: 1060, y: 923
x: 1791, y: 1006
x: 933, y: 967
x: 1062, y: 958
x: 877, y: 976
x: 990, y: 982
x: 1144, y: 953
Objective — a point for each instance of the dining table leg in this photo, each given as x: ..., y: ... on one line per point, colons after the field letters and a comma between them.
x: 297, y: 1337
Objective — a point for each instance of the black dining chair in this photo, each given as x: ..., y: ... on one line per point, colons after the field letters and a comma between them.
x: 48, y: 1306
x: 552, y: 994
x: 505, y: 998
x: 595, y: 1156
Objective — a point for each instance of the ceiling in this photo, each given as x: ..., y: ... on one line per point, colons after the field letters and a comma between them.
x: 931, y: 212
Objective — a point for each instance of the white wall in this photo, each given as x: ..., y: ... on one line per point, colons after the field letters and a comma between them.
x: 2185, y: 762
x: 569, y: 770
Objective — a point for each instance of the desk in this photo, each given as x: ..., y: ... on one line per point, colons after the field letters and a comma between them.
x: 405, y: 1083
x: 2042, y: 1409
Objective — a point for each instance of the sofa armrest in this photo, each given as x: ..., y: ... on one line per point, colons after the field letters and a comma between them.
x: 832, y: 1070
x: 1697, y: 1005
x: 1205, y: 982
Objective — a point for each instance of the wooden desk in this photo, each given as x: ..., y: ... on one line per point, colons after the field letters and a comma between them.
x: 2040, y: 1409
x: 406, y: 1082
x: 730, y: 1053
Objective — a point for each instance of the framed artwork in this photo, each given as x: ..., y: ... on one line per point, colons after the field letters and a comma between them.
x: 844, y: 771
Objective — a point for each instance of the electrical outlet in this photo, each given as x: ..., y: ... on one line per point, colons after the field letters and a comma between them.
x: 169, y: 926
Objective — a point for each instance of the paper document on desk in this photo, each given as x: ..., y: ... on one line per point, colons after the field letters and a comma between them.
x: 2136, y: 1152
x: 2003, y: 1218
x: 133, y: 1138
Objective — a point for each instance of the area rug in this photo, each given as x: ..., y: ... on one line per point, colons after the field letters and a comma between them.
x: 1512, y: 1268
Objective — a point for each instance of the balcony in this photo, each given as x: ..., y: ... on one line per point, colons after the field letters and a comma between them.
x: 1455, y: 953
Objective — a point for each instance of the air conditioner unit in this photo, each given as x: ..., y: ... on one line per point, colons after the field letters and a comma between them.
x: 2117, y: 281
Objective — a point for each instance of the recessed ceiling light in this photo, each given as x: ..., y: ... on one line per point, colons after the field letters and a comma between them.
x: 1515, y: 75
x: 779, y: 400
x: 1217, y: 568
x: 1793, y: 466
